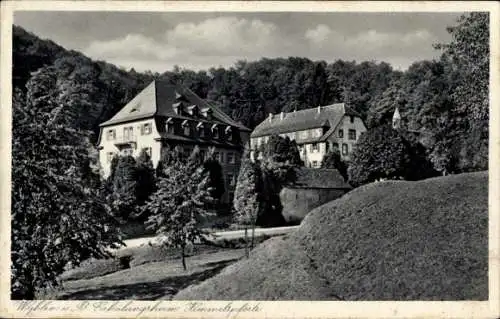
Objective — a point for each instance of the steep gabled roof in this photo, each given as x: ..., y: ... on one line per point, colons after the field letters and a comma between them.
x: 158, y: 98
x: 319, y: 178
x: 315, y: 117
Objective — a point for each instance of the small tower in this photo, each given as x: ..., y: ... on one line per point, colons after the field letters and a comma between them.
x: 396, y: 119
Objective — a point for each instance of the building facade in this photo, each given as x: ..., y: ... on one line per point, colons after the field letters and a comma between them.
x: 164, y: 115
x: 312, y: 188
x: 315, y: 130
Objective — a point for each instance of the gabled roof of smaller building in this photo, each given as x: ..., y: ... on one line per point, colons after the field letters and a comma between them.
x: 324, y: 178
x: 159, y: 99
x: 316, y: 117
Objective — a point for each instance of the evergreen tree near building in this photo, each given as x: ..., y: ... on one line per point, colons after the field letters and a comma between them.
x: 123, y: 186
x: 145, y: 173
x: 246, y: 195
x: 333, y: 160
x: 179, y: 205
x: 282, y: 150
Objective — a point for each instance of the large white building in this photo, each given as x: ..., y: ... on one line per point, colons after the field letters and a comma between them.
x: 165, y: 114
x: 315, y: 130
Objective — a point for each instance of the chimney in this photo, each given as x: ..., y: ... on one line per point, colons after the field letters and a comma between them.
x: 319, y: 109
x: 270, y: 117
x: 282, y: 116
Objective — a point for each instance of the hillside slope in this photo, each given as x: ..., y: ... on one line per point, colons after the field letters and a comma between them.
x: 394, y: 240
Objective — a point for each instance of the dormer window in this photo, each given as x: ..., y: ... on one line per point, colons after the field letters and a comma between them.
x: 169, y: 126
x: 229, y: 133
x: 215, y: 131
x: 186, y: 127
x: 207, y: 113
x: 192, y: 110
x: 177, y: 108
x: 200, y: 127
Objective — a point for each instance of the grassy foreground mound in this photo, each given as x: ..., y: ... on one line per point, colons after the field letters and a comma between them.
x: 393, y: 240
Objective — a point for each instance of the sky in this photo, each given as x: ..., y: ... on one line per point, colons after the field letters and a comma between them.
x: 157, y: 41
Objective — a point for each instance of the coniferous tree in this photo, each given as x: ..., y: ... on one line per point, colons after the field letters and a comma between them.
x: 332, y: 159
x: 145, y: 173
x: 123, y: 188
x: 246, y: 196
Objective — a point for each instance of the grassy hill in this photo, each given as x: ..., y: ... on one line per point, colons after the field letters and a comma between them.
x: 394, y: 240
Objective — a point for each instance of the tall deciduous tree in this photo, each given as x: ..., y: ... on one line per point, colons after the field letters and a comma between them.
x: 468, y: 52
x: 58, y: 217
x: 178, y: 206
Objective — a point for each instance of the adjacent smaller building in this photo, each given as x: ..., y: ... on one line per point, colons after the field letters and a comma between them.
x: 313, y: 188
x: 315, y: 130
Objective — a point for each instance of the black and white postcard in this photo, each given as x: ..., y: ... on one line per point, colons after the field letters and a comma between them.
x: 249, y: 159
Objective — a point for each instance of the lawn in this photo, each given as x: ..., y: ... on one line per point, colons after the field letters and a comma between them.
x: 150, y: 280
x: 147, y: 271
x: 392, y: 240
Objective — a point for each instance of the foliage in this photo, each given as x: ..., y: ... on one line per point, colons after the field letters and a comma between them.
x: 468, y: 53
x: 283, y: 150
x: 145, y: 173
x: 123, y: 187
x: 384, y: 153
x: 179, y: 204
x: 246, y: 196
x: 332, y: 159
x: 58, y: 216
x: 216, y: 177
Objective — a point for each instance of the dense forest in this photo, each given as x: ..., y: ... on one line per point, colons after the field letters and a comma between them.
x: 447, y: 98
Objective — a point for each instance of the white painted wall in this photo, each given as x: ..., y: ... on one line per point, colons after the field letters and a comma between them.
x: 142, y: 141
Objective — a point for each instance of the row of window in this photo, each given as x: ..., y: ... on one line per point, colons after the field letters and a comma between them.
x: 229, y: 158
x: 351, y: 134
x: 128, y: 132
x: 127, y: 152
x: 201, y: 130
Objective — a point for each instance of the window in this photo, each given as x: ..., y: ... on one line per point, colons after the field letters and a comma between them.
x: 111, y: 135
x: 217, y: 156
x: 345, y: 149
x: 146, y: 129
x: 110, y: 156
x: 341, y: 133
x: 230, y: 179
x: 230, y: 158
x: 147, y: 150
x: 335, y: 146
x: 314, y: 147
x: 304, y: 134
x: 215, y: 131
x: 128, y: 133
x: 314, y: 163
x: 352, y: 134
x: 351, y: 118
x: 317, y: 133
x: 187, y: 128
